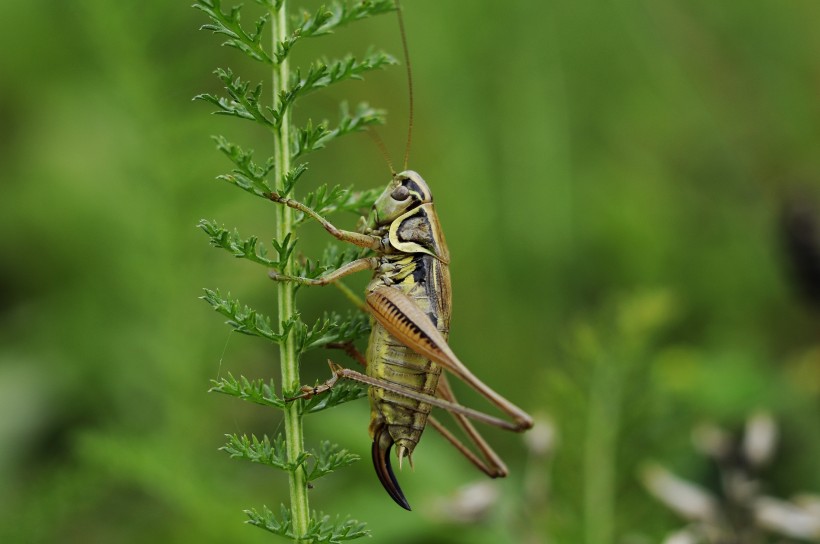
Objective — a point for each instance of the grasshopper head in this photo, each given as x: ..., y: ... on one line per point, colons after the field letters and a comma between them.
x: 406, y: 191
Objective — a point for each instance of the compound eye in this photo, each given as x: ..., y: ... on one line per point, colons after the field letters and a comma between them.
x: 400, y: 193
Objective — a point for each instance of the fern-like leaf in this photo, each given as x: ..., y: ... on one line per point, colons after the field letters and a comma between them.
x: 274, y: 453
x: 327, y: 200
x: 310, y: 138
x: 248, y: 175
x: 228, y: 24
x: 322, y: 74
x: 321, y: 529
x: 291, y: 177
x: 266, y: 519
x: 256, y: 391
x: 342, y: 13
x: 230, y: 241
x: 245, y: 319
x: 341, y: 393
x: 333, y: 328
x: 328, y: 458
x: 242, y: 100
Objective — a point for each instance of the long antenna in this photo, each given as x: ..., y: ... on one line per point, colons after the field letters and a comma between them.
x: 409, y: 83
x: 382, y: 148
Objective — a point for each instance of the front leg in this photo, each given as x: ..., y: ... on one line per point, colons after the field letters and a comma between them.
x: 310, y: 391
x: 356, y: 238
x: 365, y: 263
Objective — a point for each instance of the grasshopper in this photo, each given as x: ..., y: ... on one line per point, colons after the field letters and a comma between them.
x: 409, y: 301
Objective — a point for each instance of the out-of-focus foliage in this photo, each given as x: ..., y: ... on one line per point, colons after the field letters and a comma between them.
x: 613, y: 181
x: 739, y: 510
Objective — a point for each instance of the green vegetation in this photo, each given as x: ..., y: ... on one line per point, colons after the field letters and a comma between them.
x: 274, y: 180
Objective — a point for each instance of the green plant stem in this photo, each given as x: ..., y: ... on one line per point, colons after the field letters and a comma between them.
x: 294, y: 435
x: 600, y: 452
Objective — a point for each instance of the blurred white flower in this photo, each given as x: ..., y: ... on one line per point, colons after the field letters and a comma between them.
x: 540, y: 440
x: 711, y: 440
x: 760, y: 439
x: 787, y: 518
x: 684, y: 536
x: 469, y: 504
x: 687, y: 499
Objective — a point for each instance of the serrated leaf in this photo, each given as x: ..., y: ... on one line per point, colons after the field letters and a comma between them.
x: 339, y: 14
x: 321, y: 529
x: 228, y: 24
x: 326, y: 19
x: 342, y: 392
x: 333, y: 328
x: 267, y: 520
x: 310, y: 138
x: 322, y: 74
x: 328, y: 458
x: 256, y: 391
x: 242, y: 100
x: 328, y: 200
x: 247, y: 320
x: 334, y: 531
x: 292, y: 176
x: 332, y: 259
x: 284, y: 248
x: 247, y: 175
x: 241, y: 248
x: 274, y: 453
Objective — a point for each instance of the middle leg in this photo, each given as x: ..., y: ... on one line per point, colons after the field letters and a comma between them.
x: 365, y: 263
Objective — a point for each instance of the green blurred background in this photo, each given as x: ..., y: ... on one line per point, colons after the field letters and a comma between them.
x: 611, y: 178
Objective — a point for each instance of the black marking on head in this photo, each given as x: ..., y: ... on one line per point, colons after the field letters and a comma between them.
x: 414, y: 188
x: 416, y: 185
